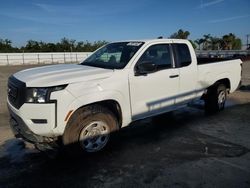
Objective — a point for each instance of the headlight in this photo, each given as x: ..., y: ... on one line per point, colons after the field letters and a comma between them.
x: 36, y: 95
x: 41, y: 95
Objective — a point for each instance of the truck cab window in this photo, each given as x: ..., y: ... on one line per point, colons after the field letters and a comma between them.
x: 159, y: 55
x: 182, y: 55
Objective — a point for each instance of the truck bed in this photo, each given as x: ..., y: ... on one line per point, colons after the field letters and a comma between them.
x: 211, y: 71
x: 206, y: 60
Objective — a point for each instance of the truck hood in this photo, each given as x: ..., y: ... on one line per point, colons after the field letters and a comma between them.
x: 61, y: 74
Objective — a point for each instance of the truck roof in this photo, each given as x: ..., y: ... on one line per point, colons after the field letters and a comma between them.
x: 155, y: 40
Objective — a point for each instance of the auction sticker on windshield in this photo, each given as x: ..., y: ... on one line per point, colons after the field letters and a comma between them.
x: 134, y: 44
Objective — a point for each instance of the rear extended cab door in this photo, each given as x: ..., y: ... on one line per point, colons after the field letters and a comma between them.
x: 185, y: 60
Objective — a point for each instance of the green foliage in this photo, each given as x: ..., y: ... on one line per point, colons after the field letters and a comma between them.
x: 207, y: 42
x: 237, y: 44
x: 193, y: 44
x: 199, y: 42
x: 226, y: 42
x: 65, y: 45
x: 180, y: 34
x: 5, y: 46
x: 231, y: 42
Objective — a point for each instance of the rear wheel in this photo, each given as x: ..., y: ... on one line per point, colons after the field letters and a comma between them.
x: 215, y: 99
x: 89, y: 129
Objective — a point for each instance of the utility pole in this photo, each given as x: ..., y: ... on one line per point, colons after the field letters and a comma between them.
x: 248, y: 35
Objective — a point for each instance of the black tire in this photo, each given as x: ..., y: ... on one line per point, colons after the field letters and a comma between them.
x: 215, y: 99
x: 89, y: 129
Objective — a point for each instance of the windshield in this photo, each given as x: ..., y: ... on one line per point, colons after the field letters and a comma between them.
x: 113, y: 55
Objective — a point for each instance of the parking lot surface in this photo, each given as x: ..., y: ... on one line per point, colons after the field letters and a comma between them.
x: 182, y: 149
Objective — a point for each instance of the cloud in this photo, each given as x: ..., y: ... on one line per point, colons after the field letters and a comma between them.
x: 90, y: 8
x: 49, y: 8
x: 29, y: 30
x: 46, y: 19
x: 45, y: 7
x: 229, y: 19
x: 210, y: 3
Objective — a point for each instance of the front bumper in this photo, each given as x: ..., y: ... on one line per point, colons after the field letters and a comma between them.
x: 20, y: 130
x: 26, y: 122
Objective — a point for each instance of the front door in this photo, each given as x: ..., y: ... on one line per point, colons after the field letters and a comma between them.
x: 154, y: 92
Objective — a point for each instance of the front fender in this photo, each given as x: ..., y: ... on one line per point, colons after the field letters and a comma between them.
x: 100, y: 96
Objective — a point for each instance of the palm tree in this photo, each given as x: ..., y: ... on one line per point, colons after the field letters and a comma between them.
x: 207, y: 41
x: 199, y: 42
x: 180, y: 34
x: 228, y: 41
x: 237, y: 44
x: 215, y: 43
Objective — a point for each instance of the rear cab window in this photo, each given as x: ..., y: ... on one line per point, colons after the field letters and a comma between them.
x: 182, y: 55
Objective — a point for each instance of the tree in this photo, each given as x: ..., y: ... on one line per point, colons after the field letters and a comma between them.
x: 193, y: 44
x: 228, y: 41
x: 207, y: 41
x: 199, y: 42
x: 32, y: 46
x: 180, y: 34
x: 79, y: 46
x: 215, y: 43
x: 65, y: 45
x: 50, y: 47
x: 6, y: 46
x: 98, y: 44
x: 231, y: 42
x: 237, y: 44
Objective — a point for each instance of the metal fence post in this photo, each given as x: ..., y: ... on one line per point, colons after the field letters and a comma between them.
x: 7, y: 57
x: 52, y: 58
x: 23, y: 58
x: 38, y: 58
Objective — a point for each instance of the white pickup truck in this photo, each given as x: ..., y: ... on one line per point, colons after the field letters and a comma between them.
x: 82, y: 104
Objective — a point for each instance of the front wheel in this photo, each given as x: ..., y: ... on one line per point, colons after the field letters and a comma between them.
x: 215, y: 99
x: 89, y: 129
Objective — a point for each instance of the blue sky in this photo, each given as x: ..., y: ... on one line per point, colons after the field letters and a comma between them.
x: 50, y: 20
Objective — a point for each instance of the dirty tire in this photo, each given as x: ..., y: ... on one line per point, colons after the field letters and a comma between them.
x: 89, y: 130
x: 215, y: 99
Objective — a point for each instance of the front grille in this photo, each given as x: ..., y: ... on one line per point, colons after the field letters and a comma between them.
x: 16, y: 92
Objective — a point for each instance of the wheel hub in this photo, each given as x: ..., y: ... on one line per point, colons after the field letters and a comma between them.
x: 221, y: 99
x: 94, y: 136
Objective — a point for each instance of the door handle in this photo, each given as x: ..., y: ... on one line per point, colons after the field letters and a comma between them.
x: 174, y: 76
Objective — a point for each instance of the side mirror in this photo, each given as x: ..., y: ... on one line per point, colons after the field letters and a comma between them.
x: 145, y: 68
